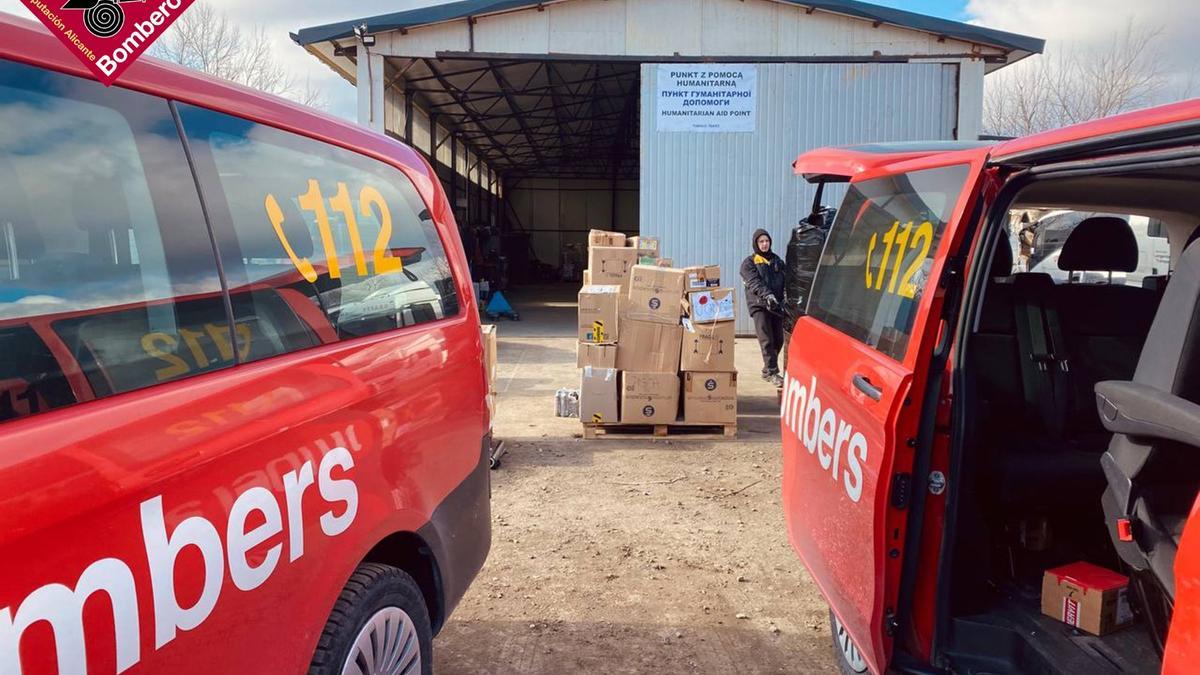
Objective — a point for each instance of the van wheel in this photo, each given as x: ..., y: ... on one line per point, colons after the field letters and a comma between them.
x: 845, y: 652
x: 379, y: 626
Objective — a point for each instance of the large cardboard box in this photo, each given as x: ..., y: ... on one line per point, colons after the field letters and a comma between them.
x: 649, y: 347
x: 649, y: 398
x: 610, y: 265
x: 598, y: 314
x: 703, y: 276
x: 710, y: 398
x: 1086, y: 596
x: 605, y: 238
x: 707, y: 347
x: 646, y: 246
x: 598, y: 396
x: 655, y: 293
x: 595, y: 356
x: 488, y: 333
x: 711, y: 305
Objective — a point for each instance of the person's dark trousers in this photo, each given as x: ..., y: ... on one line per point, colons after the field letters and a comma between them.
x: 769, y: 329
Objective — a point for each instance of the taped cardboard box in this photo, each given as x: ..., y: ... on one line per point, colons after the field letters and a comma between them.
x: 598, y: 396
x: 711, y: 305
x: 646, y: 246
x: 598, y: 307
x: 595, y: 356
x: 1086, y: 596
x: 703, y: 276
x: 605, y: 238
x: 649, y: 347
x: 649, y: 398
x: 610, y: 265
x: 707, y: 347
x: 710, y: 398
x: 655, y: 293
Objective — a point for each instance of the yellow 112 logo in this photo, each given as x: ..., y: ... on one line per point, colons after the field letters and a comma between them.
x: 897, y: 242
x: 370, y: 204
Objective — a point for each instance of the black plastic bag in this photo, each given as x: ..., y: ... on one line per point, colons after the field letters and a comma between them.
x: 803, y: 255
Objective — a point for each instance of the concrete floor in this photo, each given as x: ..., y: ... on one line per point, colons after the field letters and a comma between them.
x: 619, y: 556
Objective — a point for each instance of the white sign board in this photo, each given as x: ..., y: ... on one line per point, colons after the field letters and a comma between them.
x: 707, y: 97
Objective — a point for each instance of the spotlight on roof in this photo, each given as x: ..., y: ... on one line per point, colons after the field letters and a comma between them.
x: 360, y: 31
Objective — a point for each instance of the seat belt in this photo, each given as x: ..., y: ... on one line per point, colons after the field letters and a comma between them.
x: 1041, y: 375
x: 1059, y: 368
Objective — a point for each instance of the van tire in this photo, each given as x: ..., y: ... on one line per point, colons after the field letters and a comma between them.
x: 374, y: 591
x: 843, y: 648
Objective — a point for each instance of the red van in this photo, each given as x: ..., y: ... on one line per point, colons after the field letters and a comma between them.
x: 242, y: 396
x: 998, y: 375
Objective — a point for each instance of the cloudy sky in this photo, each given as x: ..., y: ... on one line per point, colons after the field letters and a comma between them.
x: 1075, y: 24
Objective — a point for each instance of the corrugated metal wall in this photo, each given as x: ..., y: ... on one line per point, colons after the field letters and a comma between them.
x: 705, y: 193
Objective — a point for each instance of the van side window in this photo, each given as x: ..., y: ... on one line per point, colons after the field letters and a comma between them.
x: 879, y: 254
x: 342, y: 240
x: 108, y: 281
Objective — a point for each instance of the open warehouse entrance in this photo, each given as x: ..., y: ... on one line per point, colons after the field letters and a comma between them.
x: 560, y: 133
x: 546, y: 119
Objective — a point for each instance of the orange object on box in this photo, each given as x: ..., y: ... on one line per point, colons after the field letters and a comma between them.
x: 1087, y: 597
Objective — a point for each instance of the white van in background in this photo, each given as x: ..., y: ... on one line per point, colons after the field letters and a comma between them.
x: 1154, y: 252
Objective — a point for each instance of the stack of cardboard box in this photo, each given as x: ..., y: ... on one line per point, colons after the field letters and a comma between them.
x: 651, y: 335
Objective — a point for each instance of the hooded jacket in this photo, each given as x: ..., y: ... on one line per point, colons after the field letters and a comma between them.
x: 762, y: 275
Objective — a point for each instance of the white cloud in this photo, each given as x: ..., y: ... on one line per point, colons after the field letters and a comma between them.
x: 279, y: 18
x: 1094, y: 24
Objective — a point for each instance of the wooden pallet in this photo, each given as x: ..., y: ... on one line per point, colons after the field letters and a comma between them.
x: 677, y: 430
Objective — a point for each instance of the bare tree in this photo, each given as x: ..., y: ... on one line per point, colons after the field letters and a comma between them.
x: 1075, y: 85
x: 206, y: 40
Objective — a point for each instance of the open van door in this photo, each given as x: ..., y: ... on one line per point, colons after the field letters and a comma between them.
x: 856, y: 371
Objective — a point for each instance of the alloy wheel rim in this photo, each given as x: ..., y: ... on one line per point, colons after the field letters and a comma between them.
x: 388, y: 644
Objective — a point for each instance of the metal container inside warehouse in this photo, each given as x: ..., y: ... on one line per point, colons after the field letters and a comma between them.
x: 704, y: 192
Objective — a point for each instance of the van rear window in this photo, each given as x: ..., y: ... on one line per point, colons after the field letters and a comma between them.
x: 879, y: 254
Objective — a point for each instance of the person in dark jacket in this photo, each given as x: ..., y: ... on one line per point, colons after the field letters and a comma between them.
x: 763, y: 277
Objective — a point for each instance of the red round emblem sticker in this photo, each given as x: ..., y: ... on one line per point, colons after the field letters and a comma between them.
x: 704, y: 299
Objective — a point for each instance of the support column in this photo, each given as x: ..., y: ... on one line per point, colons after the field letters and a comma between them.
x: 970, y: 99
x: 370, y: 89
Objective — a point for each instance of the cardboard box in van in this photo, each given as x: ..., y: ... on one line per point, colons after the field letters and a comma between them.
x: 655, y: 293
x: 610, y: 265
x: 649, y: 398
x: 707, y: 347
x: 598, y: 307
x: 649, y: 347
x: 1086, y: 596
x: 595, y: 356
x: 710, y: 398
x: 605, y: 238
x: 598, y: 396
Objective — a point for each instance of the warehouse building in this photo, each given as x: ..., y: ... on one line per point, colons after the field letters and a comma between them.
x: 670, y: 118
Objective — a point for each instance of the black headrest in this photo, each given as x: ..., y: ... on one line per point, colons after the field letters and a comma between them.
x: 1100, y: 244
x: 1002, y: 259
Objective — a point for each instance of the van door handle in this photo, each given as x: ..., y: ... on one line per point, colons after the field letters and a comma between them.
x: 864, y: 385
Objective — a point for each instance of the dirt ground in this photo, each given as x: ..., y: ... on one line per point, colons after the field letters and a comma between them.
x: 617, y: 556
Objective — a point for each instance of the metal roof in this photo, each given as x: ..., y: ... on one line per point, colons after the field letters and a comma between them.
x: 885, y: 15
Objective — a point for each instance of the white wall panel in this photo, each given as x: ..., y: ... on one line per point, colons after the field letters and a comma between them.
x: 525, y: 32
x: 587, y: 27
x: 663, y: 27
x: 704, y: 194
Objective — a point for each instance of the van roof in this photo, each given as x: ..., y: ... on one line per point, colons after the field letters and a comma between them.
x: 27, y: 41
x: 841, y: 164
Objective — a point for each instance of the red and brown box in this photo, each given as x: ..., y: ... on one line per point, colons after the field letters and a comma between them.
x: 1086, y: 596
